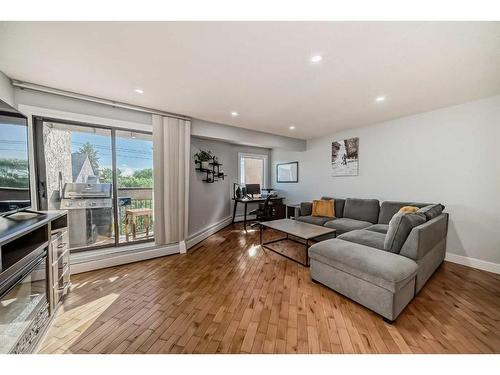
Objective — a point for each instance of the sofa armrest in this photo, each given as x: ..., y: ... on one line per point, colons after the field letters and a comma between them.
x: 423, y: 238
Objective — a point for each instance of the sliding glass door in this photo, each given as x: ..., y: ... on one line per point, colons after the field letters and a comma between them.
x: 101, y: 176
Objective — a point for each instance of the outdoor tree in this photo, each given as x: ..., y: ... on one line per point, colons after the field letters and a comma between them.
x: 106, y: 175
x: 14, y: 173
x: 139, y: 178
x: 88, y: 149
x: 146, y: 173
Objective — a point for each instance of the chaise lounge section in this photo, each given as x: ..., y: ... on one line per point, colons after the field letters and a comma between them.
x: 375, y: 262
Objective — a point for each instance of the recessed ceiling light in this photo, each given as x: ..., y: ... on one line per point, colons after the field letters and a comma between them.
x: 316, y: 58
x: 291, y: 127
x: 380, y: 99
x: 139, y: 91
x: 234, y: 113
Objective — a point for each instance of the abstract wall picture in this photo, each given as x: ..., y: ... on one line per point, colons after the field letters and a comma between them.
x: 345, y: 158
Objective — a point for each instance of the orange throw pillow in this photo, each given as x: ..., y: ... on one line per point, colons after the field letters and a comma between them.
x: 408, y: 209
x: 323, y: 208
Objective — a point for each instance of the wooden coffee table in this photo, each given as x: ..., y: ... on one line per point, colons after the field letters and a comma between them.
x: 294, y: 228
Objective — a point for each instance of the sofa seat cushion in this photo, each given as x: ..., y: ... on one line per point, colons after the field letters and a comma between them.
x: 384, y: 269
x: 317, y: 220
x: 365, y: 237
x: 380, y: 228
x: 345, y: 224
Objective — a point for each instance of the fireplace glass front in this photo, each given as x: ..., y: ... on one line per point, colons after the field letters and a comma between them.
x: 22, y: 307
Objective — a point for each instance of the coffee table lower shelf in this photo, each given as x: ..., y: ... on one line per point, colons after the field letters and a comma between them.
x: 288, y: 237
x: 306, y: 244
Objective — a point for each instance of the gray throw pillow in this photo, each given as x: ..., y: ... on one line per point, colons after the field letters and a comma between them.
x: 306, y: 209
x: 431, y: 211
x: 400, y: 227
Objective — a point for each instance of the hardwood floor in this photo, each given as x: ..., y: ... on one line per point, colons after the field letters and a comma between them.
x: 227, y: 295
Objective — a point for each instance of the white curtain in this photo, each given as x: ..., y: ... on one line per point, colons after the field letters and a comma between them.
x: 171, y: 153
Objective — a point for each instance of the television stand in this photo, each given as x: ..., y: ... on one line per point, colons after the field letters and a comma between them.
x: 35, y: 273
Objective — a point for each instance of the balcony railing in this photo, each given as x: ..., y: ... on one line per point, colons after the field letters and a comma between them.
x: 140, y: 198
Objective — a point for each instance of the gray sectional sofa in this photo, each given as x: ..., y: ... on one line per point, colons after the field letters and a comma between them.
x: 378, y: 265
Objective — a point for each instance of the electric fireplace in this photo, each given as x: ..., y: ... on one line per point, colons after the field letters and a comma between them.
x: 24, y: 307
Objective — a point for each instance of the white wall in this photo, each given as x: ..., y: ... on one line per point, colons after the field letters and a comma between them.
x: 6, y: 90
x: 234, y: 135
x: 451, y: 155
x: 211, y: 203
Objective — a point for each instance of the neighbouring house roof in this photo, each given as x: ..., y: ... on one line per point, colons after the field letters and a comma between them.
x: 78, y: 160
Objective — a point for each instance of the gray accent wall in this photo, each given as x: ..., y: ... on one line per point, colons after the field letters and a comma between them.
x: 210, y: 203
x: 451, y: 155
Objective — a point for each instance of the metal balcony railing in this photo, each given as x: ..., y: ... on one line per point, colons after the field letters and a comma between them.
x: 139, y: 198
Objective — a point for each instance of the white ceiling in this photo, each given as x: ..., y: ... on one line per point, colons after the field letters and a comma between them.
x: 262, y: 69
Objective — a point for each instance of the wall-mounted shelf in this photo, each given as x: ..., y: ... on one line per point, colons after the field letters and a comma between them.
x: 213, y: 173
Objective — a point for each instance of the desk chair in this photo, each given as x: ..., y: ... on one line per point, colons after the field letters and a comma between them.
x: 265, y: 212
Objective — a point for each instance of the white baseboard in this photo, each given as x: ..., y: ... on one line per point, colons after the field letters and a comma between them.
x: 207, y: 232
x: 214, y: 228
x: 473, y: 262
x: 97, y: 259
x: 182, y: 247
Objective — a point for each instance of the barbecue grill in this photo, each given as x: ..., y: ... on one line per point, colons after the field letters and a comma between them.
x: 90, y: 212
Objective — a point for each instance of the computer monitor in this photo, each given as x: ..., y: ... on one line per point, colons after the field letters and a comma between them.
x: 253, y: 189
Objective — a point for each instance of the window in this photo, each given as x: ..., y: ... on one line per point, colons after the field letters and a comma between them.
x: 252, y: 169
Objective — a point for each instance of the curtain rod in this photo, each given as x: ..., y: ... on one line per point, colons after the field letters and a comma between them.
x: 94, y: 99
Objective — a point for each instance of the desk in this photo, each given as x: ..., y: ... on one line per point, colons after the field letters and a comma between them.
x: 245, y: 201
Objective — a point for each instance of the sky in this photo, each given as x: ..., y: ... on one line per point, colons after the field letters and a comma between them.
x: 13, y: 142
x: 131, y: 155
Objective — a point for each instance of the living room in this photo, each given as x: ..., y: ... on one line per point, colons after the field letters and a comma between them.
x: 250, y: 187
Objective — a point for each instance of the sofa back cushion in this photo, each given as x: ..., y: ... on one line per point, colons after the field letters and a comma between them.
x: 389, y: 208
x: 338, y: 205
x: 306, y: 209
x: 432, y: 211
x: 362, y: 209
x: 400, y: 227
x: 424, y: 238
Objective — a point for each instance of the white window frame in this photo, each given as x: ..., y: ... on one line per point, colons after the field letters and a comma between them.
x: 264, y: 158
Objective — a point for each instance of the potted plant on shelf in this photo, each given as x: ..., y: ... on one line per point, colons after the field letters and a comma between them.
x: 204, y: 158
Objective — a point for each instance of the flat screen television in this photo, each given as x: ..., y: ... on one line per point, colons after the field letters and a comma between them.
x: 14, y: 161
